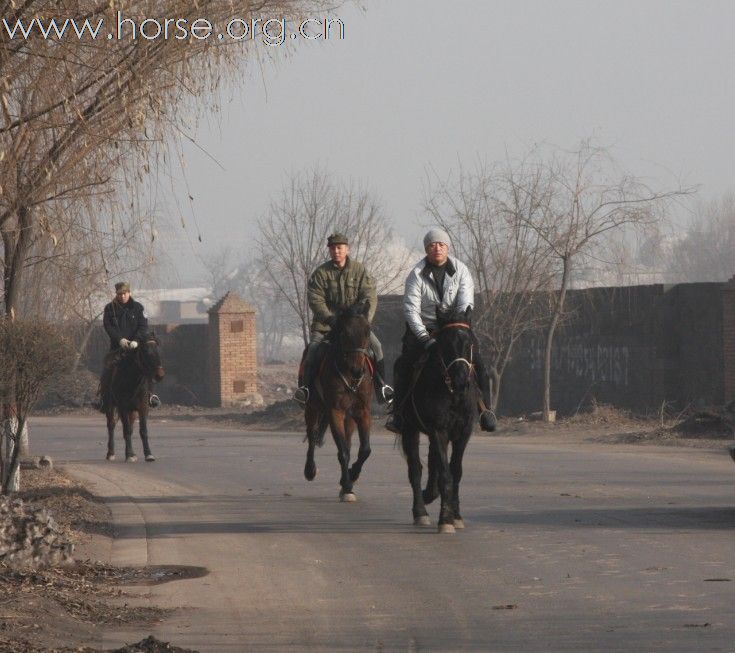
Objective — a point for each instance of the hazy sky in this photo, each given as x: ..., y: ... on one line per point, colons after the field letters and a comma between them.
x: 419, y: 83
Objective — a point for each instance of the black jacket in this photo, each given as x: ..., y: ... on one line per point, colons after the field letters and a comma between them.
x: 125, y: 321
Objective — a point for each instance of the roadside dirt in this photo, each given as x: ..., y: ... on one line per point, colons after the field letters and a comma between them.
x: 64, y: 607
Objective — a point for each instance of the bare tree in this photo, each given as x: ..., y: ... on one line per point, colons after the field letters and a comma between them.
x: 586, y: 197
x: 248, y: 279
x: 488, y: 218
x: 706, y: 250
x: 293, y: 237
x: 82, y: 118
x: 33, y: 352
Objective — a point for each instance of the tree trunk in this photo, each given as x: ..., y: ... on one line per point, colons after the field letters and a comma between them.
x: 494, y: 387
x: 558, y: 309
x: 11, y: 482
x: 16, y: 248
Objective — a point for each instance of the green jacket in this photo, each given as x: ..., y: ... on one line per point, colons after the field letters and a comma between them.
x: 331, y: 288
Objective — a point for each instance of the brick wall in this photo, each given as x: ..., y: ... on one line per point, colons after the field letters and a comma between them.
x: 633, y: 347
x: 233, y: 346
x: 728, y: 339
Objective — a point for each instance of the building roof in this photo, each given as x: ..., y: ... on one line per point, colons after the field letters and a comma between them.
x: 231, y: 303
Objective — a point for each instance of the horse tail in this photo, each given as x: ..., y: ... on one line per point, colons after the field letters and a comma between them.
x: 321, y: 430
x: 316, y: 434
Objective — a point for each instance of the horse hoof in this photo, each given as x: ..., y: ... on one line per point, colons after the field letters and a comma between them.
x: 424, y: 520
x: 150, y: 458
x: 347, y: 497
x: 131, y: 459
x: 310, y: 472
x: 110, y: 456
x: 458, y: 522
x: 446, y: 528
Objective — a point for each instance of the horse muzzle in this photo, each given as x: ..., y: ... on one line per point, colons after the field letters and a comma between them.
x: 159, y: 374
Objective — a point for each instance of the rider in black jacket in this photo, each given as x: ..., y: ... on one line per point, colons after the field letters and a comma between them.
x: 124, y: 319
x: 126, y: 324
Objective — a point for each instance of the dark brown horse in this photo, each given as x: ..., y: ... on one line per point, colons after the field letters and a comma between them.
x: 442, y: 403
x: 342, y: 397
x: 127, y: 396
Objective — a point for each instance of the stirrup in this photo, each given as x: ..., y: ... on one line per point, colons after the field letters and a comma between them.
x: 154, y: 401
x: 301, y: 395
x: 388, y: 394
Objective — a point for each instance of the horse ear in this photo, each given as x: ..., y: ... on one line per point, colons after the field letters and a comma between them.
x: 365, y: 308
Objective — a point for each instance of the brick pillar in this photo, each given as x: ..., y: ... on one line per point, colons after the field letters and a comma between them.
x: 728, y: 338
x: 233, y: 365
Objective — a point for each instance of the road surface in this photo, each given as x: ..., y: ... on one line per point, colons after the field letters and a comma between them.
x: 568, y: 546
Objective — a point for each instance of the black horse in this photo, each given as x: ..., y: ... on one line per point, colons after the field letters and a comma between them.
x: 127, y: 396
x: 344, y: 392
x: 442, y: 403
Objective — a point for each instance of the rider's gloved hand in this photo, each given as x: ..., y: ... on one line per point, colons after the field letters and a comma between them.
x: 429, y: 344
x: 125, y: 343
x: 133, y: 344
x: 331, y: 320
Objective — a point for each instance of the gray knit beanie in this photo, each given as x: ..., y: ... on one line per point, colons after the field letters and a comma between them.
x: 437, y: 235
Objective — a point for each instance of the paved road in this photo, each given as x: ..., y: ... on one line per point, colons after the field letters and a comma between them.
x: 595, y: 547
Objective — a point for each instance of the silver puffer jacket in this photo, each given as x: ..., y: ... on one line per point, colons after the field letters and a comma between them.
x: 421, y: 298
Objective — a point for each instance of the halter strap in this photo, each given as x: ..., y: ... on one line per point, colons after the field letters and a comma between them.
x: 452, y: 325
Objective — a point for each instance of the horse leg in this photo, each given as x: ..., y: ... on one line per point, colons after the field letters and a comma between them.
x: 311, y: 415
x: 337, y: 424
x: 446, y: 515
x: 363, y: 430
x: 111, y: 421
x: 127, y: 425
x: 432, y: 482
x: 143, y: 428
x: 455, y: 464
x: 410, y: 442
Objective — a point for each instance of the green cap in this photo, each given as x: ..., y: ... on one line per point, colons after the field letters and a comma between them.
x: 337, y: 239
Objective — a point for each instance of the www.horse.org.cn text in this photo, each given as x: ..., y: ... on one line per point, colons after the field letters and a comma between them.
x: 269, y: 31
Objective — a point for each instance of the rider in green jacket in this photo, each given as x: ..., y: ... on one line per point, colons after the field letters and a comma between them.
x: 339, y: 282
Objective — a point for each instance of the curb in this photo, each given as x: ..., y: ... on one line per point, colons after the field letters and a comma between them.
x: 129, y: 533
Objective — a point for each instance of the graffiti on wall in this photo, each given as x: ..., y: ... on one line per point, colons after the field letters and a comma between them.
x: 596, y: 363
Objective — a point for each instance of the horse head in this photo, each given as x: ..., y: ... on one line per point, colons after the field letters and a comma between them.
x: 149, y: 358
x: 352, y: 337
x: 455, y: 345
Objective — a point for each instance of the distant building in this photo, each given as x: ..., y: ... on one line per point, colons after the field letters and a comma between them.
x: 176, y: 305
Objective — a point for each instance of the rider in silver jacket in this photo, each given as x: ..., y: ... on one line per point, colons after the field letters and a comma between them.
x: 436, y: 281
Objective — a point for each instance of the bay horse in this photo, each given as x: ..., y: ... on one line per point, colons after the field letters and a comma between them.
x: 442, y: 404
x: 342, y: 397
x: 128, y: 394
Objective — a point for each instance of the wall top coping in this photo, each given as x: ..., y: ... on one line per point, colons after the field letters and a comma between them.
x: 231, y: 303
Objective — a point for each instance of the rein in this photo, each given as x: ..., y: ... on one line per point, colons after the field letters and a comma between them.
x: 446, y: 368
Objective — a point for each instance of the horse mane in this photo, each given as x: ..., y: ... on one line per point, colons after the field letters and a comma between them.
x: 453, y: 316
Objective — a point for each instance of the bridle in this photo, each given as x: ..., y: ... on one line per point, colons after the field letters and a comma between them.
x: 365, y: 353
x: 342, y: 354
x: 460, y: 359
x: 142, y: 366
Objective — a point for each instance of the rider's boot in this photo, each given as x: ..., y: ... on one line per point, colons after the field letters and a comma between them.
x: 301, y: 394
x: 383, y: 392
